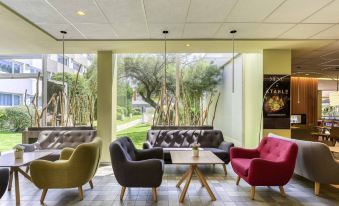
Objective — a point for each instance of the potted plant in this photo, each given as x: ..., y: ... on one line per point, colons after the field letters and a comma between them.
x: 19, y: 151
x: 195, y: 149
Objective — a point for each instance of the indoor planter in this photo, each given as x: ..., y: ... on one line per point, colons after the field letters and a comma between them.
x: 19, y: 151
x: 195, y: 149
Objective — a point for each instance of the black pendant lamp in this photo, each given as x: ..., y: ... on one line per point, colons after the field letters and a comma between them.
x: 233, y: 33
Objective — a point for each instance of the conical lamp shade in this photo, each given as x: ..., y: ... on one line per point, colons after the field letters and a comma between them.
x: 334, y: 98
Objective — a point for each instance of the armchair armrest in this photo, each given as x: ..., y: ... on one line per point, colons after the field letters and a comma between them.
x: 66, y: 153
x: 226, y: 146
x: 46, y: 174
x: 267, y: 172
x: 237, y: 152
x: 153, y: 153
x: 144, y: 173
x: 147, y: 145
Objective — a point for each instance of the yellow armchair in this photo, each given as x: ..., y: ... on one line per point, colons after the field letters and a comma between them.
x: 75, y: 168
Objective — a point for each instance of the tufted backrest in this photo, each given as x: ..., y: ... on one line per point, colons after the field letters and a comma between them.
x: 49, y: 139
x: 126, y: 147
x: 184, y: 138
x: 278, y: 150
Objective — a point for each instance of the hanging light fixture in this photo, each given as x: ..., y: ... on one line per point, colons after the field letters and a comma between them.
x: 63, y: 57
x: 233, y: 33
x: 334, y: 96
x: 165, y: 32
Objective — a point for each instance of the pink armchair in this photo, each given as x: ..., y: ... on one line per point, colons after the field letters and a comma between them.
x: 271, y: 164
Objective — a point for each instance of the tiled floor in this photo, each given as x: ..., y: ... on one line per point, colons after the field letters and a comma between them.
x: 106, y: 192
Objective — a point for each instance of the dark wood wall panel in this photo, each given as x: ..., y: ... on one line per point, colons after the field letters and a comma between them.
x: 304, y: 98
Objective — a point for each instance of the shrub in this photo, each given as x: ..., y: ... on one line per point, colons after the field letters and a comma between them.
x: 136, y: 111
x: 15, y: 118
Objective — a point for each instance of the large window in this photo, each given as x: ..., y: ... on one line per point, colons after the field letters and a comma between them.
x: 5, y: 66
x: 5, y: 99
x: 181, y: 94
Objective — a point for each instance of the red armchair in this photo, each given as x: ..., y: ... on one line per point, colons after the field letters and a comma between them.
x: 271, y: 164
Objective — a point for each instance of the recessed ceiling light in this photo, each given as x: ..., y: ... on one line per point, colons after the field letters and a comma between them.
x: 81, y: 13
x: 188, y: 45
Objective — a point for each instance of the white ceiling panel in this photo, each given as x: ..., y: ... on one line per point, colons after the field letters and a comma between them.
x: 29, y: 8
x: 54, y: 30
x: 69, y: 9
x: 331, y: 33
x: 97, y: 31
x: 294, y: 11
x: 209, y: 11
x: 175, y: 30
x: 253, y: 30
x: 304, y: 31
x: 123, y: 10
x: 131, y: 30
x: 166, y: 11
x: 252, y: 11
x: 201, y: 30
x: 328, y: 14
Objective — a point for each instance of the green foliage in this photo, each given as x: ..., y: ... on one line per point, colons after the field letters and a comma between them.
x: 124, y: 96
x: 136, y: 111
x: 14, y: 118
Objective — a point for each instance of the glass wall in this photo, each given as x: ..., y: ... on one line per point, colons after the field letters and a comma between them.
x: 34, y: 93
x: 184, y: 93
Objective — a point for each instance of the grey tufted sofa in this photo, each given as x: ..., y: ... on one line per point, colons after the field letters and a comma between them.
x: 210, y: 140
x: 57, y: 140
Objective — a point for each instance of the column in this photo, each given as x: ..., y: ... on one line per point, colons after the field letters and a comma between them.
x: 277, y: 62
x: 106, y: 105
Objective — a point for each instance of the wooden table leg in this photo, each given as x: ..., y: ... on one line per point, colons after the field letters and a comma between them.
x: 10, y: 181
x: 188, y: 181
x: 203, y: 180
x: 183, y: 177
x: 24, y: 174
x: 17, y: 189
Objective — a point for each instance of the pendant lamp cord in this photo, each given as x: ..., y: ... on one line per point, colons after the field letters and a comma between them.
x: 233, y: 64
x: 63, y: 60
x: 165, y: 59
x: 233, y: 33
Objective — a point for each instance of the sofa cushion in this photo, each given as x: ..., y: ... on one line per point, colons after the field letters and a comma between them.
x: 241, y: 165
x: 210, y: 138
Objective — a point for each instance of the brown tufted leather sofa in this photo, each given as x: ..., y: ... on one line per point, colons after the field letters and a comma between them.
x: 57, y: 140
x: 210, y: 140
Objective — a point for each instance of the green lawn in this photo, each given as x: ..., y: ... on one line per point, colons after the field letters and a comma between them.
x: 127, y: 119
x: 9, y: 139
x: 137, y: 134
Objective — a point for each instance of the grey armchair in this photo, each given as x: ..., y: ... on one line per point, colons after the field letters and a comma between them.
x: 136, y: 168
x: 4, y: 175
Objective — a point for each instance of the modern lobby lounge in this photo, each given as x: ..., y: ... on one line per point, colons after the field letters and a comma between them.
x: 169, y: 102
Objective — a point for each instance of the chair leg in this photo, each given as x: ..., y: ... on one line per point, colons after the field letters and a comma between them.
x: 91, y: 184
x: 238, y: 180
x: 43, y: 195
x: 81, y: 193
x: 316, y: 188
x: 252, y: 192
x: 122, y: 192
x: 154, y: 193
x: 225, y: 170
x: 10, y: 181
x: 282, y: 191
